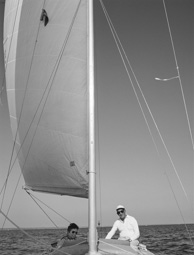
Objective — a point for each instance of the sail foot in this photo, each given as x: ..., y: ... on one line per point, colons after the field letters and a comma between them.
x: 74, y: 192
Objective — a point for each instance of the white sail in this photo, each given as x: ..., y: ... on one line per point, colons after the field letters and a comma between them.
x: 46, y: 77
x: 48, y: 46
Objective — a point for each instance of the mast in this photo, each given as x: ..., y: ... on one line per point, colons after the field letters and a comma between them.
x: 92, y: 173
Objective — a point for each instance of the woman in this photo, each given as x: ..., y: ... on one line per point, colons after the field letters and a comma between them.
x: 71, y: 235
x: 66, y: 240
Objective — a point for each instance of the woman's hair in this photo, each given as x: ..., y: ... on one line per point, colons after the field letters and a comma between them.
x: 72, y: 226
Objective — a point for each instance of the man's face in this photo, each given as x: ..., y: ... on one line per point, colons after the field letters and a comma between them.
x: 121, y: 213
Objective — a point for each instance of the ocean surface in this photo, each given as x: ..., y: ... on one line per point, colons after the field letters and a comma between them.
x: 159, y: 239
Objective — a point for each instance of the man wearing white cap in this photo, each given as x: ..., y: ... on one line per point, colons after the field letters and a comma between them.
x: 126, y: 225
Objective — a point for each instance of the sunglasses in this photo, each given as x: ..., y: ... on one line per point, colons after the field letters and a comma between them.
x: 118, y: 212
x: 74, y: 232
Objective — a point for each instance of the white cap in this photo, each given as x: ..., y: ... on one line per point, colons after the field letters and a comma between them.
x: 120, y: 207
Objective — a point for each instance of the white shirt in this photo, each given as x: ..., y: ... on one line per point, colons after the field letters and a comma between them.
x: 128, y: 229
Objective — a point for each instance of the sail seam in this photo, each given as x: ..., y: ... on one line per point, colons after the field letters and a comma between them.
x: 49, y: 55
x: 81, y: 95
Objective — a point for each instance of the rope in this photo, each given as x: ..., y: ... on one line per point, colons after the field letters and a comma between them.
x: 117, y: 38
x: 12, y: 199
x: 120, y: 47
x: 179, y: 77
x: 42, y: 209
x: 118, y: 42
x: 34, y: 197
x: 33, y: 238
x: 54, y: 71
x: 51, y: 79
x: 188, y: 232
x: 185, y: 106
x: 13, y: 147
x: 5, y: 184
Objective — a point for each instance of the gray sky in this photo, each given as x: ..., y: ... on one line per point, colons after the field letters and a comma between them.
x: 131, y: 172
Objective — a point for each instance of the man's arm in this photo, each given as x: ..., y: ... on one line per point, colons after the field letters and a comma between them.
x: 112, y: 231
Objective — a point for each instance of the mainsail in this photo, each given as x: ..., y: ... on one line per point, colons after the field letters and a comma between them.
x: 46, y: 79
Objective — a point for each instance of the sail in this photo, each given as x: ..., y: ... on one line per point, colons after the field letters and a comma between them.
x: 45, y: 46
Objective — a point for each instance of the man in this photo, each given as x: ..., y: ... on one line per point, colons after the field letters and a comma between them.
x: 127, y: 226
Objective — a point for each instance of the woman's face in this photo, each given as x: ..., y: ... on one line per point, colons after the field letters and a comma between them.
x: 72, y: 233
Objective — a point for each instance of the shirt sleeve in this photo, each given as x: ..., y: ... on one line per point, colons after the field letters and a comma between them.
x: 112, y: 231
x: 136, y: 230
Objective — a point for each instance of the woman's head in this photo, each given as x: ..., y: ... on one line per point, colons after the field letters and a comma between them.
x: 72, y: 231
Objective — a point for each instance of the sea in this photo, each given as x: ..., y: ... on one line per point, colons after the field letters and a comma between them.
x: 159, y: 239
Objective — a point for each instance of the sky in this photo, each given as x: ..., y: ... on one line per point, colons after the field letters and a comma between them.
x: 129, y: 170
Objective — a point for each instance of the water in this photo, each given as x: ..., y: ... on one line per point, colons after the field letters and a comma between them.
x: 161, y: 240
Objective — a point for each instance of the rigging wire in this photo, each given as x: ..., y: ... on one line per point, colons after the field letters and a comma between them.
x: 50, y: 82
x: 12, y: 199
x: 118, y: 42
x: 34, y: 197
x: 122, y: 51
x: 32, y: 237
x: 180, y: 210
x: 51, y: 79
x: 13, y: 147
x: 18, y: 124
x: 42, y: 209
x: 6, y: 61
x: 178, y: 76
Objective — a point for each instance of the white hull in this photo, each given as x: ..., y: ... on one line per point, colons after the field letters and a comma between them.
x: 105, y: 247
